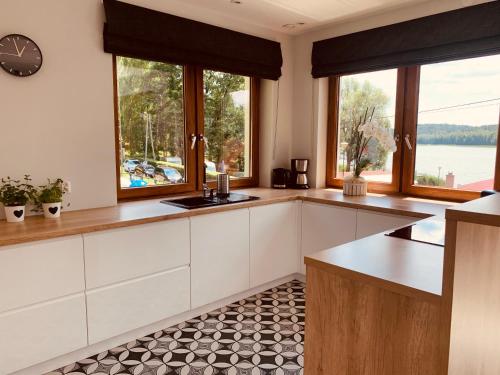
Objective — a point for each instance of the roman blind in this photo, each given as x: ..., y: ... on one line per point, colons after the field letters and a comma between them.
x: 133, y: 31
x: 468, y: 32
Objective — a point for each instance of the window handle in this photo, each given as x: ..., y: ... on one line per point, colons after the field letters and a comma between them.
x: 194, y: 138
x: 204, y: 139
x: 408, y: 143
x: 397, y: 138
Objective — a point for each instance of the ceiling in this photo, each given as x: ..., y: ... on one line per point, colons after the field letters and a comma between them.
x: 273, y: 14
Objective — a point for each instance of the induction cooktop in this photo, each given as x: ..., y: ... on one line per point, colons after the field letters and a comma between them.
x: 429, y: 231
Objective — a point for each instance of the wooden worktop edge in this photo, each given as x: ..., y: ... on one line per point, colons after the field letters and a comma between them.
x: 381, y: 283
x: 36, y: 228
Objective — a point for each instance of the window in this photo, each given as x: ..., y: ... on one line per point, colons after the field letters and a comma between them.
x: 164, y: 112
x: 227, y: 124
x: 445, y: 118
x: 457, y: 124
x: 365, y: 96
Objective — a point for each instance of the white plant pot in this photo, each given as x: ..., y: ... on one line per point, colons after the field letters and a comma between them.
x: 15, y: 214
x: 355, y: 186
x: 51, y: 210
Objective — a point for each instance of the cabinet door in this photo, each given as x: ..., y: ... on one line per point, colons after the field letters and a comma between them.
x: 219, y: 256
x: 273, y: 242
x: 120, y: 308
x: 41, y: 332
x: 39, y: 271
x: 325, y: 226
x: 370, y: 222
x: 126, y: 253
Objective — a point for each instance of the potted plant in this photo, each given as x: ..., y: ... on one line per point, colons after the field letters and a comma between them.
x: 14, y: 195
x: 49, y: 197
x: 366, y: 130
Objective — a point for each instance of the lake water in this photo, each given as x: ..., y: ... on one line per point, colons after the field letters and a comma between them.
x: 468, y: 163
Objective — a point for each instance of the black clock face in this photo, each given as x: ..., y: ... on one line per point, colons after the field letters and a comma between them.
x: 19, y: 55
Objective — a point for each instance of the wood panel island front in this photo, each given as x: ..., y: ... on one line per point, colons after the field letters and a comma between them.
x: 388, y: 306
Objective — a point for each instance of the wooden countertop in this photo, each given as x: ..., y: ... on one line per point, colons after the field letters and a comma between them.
x: 37, y: 228
x: 480, y: 211
x: 406, y: 267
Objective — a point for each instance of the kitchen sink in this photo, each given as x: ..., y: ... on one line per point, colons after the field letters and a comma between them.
x: 200, y: 202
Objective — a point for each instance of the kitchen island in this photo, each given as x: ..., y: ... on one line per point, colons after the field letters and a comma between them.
x: 382, y: 305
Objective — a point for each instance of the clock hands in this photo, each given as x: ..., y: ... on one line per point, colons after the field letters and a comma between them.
x: 19, y: 53
x: 17, y: 49
x: 9, y: 54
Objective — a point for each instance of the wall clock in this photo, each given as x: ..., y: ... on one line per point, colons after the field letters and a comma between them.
x: 19, y: 55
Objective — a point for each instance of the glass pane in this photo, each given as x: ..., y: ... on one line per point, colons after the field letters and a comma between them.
x: 363, y: 97
x: 227, y: 124
x: 459, y: 110
x: 151, y: 115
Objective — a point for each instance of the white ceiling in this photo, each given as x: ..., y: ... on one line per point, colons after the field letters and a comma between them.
x: 273, y: 14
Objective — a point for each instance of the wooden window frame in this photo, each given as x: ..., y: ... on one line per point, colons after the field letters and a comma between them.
x: 407, y: 99
x: 332, y: 137
x: 243, y: 182
x: 194, y: 125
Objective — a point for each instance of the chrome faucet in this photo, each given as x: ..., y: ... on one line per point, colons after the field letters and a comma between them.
x: 206, y: 190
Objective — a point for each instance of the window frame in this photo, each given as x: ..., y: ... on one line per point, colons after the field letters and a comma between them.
x: 407, y: 100
x: 194, y: 125
x: 332, y: 137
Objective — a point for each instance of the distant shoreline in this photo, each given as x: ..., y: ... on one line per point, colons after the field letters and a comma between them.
x: 458, y: 135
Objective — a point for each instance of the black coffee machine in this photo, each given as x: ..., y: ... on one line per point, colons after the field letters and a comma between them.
x: 299, y: 174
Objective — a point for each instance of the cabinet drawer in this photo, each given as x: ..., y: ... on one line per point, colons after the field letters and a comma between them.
x: 41, y: 332
x: 220, y: 258
x: 126, y: 253
x: 369, y: 222
x: 119, y: 308
x: 40, y: 271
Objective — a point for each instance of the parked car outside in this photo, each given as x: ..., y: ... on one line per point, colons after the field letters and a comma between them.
x: 130, y: 164
x: 164, y: 174
x: 144, y: 169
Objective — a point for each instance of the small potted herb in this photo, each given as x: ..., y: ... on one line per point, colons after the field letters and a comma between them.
x: 49, y: 197
x: 14, y: 195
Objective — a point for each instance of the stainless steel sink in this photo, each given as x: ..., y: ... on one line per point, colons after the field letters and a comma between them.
x: 200, y: 202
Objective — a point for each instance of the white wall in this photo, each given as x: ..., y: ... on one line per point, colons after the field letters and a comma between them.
x: 310, y: 96
x: 60, y: 122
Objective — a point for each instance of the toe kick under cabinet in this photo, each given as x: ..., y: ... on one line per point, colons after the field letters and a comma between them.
x: 136, y: 276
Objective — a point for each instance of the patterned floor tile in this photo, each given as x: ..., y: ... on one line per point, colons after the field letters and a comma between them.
x: 260, y: 335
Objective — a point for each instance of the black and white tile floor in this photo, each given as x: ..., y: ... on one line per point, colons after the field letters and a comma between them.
x: 260, y: 335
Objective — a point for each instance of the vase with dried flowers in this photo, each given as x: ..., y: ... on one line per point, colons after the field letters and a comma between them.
x: 366, y: 130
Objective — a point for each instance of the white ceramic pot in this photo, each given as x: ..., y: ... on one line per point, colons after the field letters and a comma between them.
x: 15, y: 214
x: 355, y: 186
x: 51, y: 210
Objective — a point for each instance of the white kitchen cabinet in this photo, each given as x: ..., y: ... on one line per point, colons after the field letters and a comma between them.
x: 126, y: 253
x: 40, y: 271
x: 325, y: 226
x: 41, y: 332
x: 370, y: 222
x: 219, y: 256
x: 119, y: 308
x: 274, y: 233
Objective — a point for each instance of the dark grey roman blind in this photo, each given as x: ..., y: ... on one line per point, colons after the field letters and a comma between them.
x: 463, y: 33
x: 134, y: 31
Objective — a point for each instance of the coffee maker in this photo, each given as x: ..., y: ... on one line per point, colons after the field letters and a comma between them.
x: 299, y: 174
